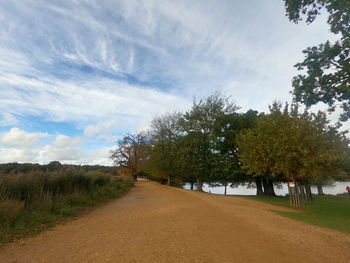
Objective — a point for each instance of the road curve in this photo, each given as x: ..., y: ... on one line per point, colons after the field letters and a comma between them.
x: 156, y: 223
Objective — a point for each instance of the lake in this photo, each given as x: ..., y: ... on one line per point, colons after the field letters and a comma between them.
x: 280, y: 189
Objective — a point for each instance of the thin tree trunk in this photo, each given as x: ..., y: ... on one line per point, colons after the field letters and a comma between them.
x: 297, y: 195
x: 291, y: 191
x: 320, y: 189
x: 199, y: 185
x: 169, y: 179
x: 192, y: 183
x: 308, y: 193
x: 302, y: 194
x: 266, y: 188
x: 225, y: 188
x: 259, y: 189
x: 272, y: 190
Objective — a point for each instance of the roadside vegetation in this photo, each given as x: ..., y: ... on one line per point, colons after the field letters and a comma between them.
x: 328, y: 211
x: 37, y: 199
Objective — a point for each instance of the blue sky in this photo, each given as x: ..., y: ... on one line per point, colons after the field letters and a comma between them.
x: 76, y: 75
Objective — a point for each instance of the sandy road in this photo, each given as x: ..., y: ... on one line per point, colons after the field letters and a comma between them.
x: 155, y: 223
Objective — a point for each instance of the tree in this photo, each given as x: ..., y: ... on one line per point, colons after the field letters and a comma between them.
x: 293, y: 146
x: 202, y: 128
x: 54, y: 166
x: 327, y: 76
x: 130, y: 153
x: 227, y: 167
x: 164, y: 134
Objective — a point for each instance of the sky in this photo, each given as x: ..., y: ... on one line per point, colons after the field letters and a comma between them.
x: 77, y: 75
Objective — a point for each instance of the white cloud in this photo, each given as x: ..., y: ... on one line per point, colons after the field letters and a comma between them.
x: 101, y: 128
x: 16, y: 155
x: 19, y: 138
x: 63, y: 148
x: 19, y: 146
x: 100, y: 156
x: 71, y: 101
x: 8, y: 119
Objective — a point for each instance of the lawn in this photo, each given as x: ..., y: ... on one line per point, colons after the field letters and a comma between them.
x: 326, y: 211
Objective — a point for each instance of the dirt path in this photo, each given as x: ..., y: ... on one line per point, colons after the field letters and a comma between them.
x: 155, y: 223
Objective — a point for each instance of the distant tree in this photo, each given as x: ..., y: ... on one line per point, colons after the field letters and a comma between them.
x: 130, y: 153
x: 54, y: 166
x: 326, y: 68
x: 162, y: 153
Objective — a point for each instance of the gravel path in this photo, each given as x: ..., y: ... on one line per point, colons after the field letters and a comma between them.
x: 156, y: 223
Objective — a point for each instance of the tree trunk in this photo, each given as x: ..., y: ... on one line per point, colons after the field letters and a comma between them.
x: 320, y: 189
x: 272, y: 190
x: 225, y: 188
x: 199, y: 185
x: 169, y: 179
x: 302, y: 194
x: 259, y: 189
x: 291, y: 191
x: 308, y: 193
x: 268, y: 187
x: 192, y: 183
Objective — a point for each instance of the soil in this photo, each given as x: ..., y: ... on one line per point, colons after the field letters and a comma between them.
x: 157, y: 223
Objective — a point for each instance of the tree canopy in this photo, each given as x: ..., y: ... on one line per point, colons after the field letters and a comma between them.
x: 297, y: 146
x: 130, y: 152
x: 325, y: 70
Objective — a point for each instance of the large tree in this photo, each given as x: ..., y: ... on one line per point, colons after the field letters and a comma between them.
x: 202, y: 128
x: 227, y: 168
x: 162, y: 159
x: 325, y: 70
x: 130, y: 153
x: 292, y: 145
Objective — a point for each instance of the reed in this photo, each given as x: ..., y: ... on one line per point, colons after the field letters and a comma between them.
x: 31, y: 202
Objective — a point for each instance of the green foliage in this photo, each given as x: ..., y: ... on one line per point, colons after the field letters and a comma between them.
x: 326, y: 67
x: 198, y: 145
x: 293, y: 146
x: 162, y: 159
x: 203, y: 146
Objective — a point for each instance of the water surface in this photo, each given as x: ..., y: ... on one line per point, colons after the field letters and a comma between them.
x: 280, y: 189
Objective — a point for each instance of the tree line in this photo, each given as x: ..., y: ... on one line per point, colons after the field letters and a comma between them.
x: 16, y: 168
x: 213, y: 142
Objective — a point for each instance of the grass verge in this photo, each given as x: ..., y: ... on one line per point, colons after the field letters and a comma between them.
x: 326, y: 211
x: 21, y: 218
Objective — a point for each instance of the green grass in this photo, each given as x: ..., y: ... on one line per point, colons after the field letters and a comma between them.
x: 326, y: 211
x: 28, y: 216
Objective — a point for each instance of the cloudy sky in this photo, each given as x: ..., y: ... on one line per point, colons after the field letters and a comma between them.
x: 77, y: 75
